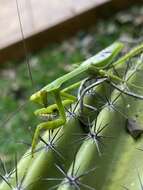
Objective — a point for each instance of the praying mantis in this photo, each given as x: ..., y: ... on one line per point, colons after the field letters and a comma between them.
x: 96, y: 66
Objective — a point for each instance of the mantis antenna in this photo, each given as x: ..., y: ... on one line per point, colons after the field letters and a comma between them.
x: 24, y: 45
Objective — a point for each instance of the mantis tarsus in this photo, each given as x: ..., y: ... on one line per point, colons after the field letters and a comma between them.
x: 96, y: 66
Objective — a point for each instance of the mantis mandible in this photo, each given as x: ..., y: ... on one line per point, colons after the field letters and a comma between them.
x: 95, y: 66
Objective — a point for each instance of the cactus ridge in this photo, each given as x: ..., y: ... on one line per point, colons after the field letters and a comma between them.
x: 71, y: 179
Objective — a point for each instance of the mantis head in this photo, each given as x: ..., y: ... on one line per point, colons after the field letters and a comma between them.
x: 39, y: 97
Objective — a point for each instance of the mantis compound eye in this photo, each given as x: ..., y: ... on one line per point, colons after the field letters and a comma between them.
x: 39, y: 97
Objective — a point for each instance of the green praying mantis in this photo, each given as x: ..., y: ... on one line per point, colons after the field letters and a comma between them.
x: 96, y: 66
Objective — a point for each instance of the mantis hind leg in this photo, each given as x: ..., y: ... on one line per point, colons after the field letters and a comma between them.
x: 115, y: 80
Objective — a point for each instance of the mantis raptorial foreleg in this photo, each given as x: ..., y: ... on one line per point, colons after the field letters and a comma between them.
x: 51, y: 124
x: 52, y: 108
x: 69, y: 99
x: 58, y: 107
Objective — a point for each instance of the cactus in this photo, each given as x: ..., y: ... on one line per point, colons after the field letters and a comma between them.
x: 108, y: 157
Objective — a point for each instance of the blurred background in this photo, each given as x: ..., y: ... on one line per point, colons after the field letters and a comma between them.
x: 51, y: 35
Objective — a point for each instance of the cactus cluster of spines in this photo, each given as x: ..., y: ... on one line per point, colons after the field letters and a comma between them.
x: 72, y: 158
